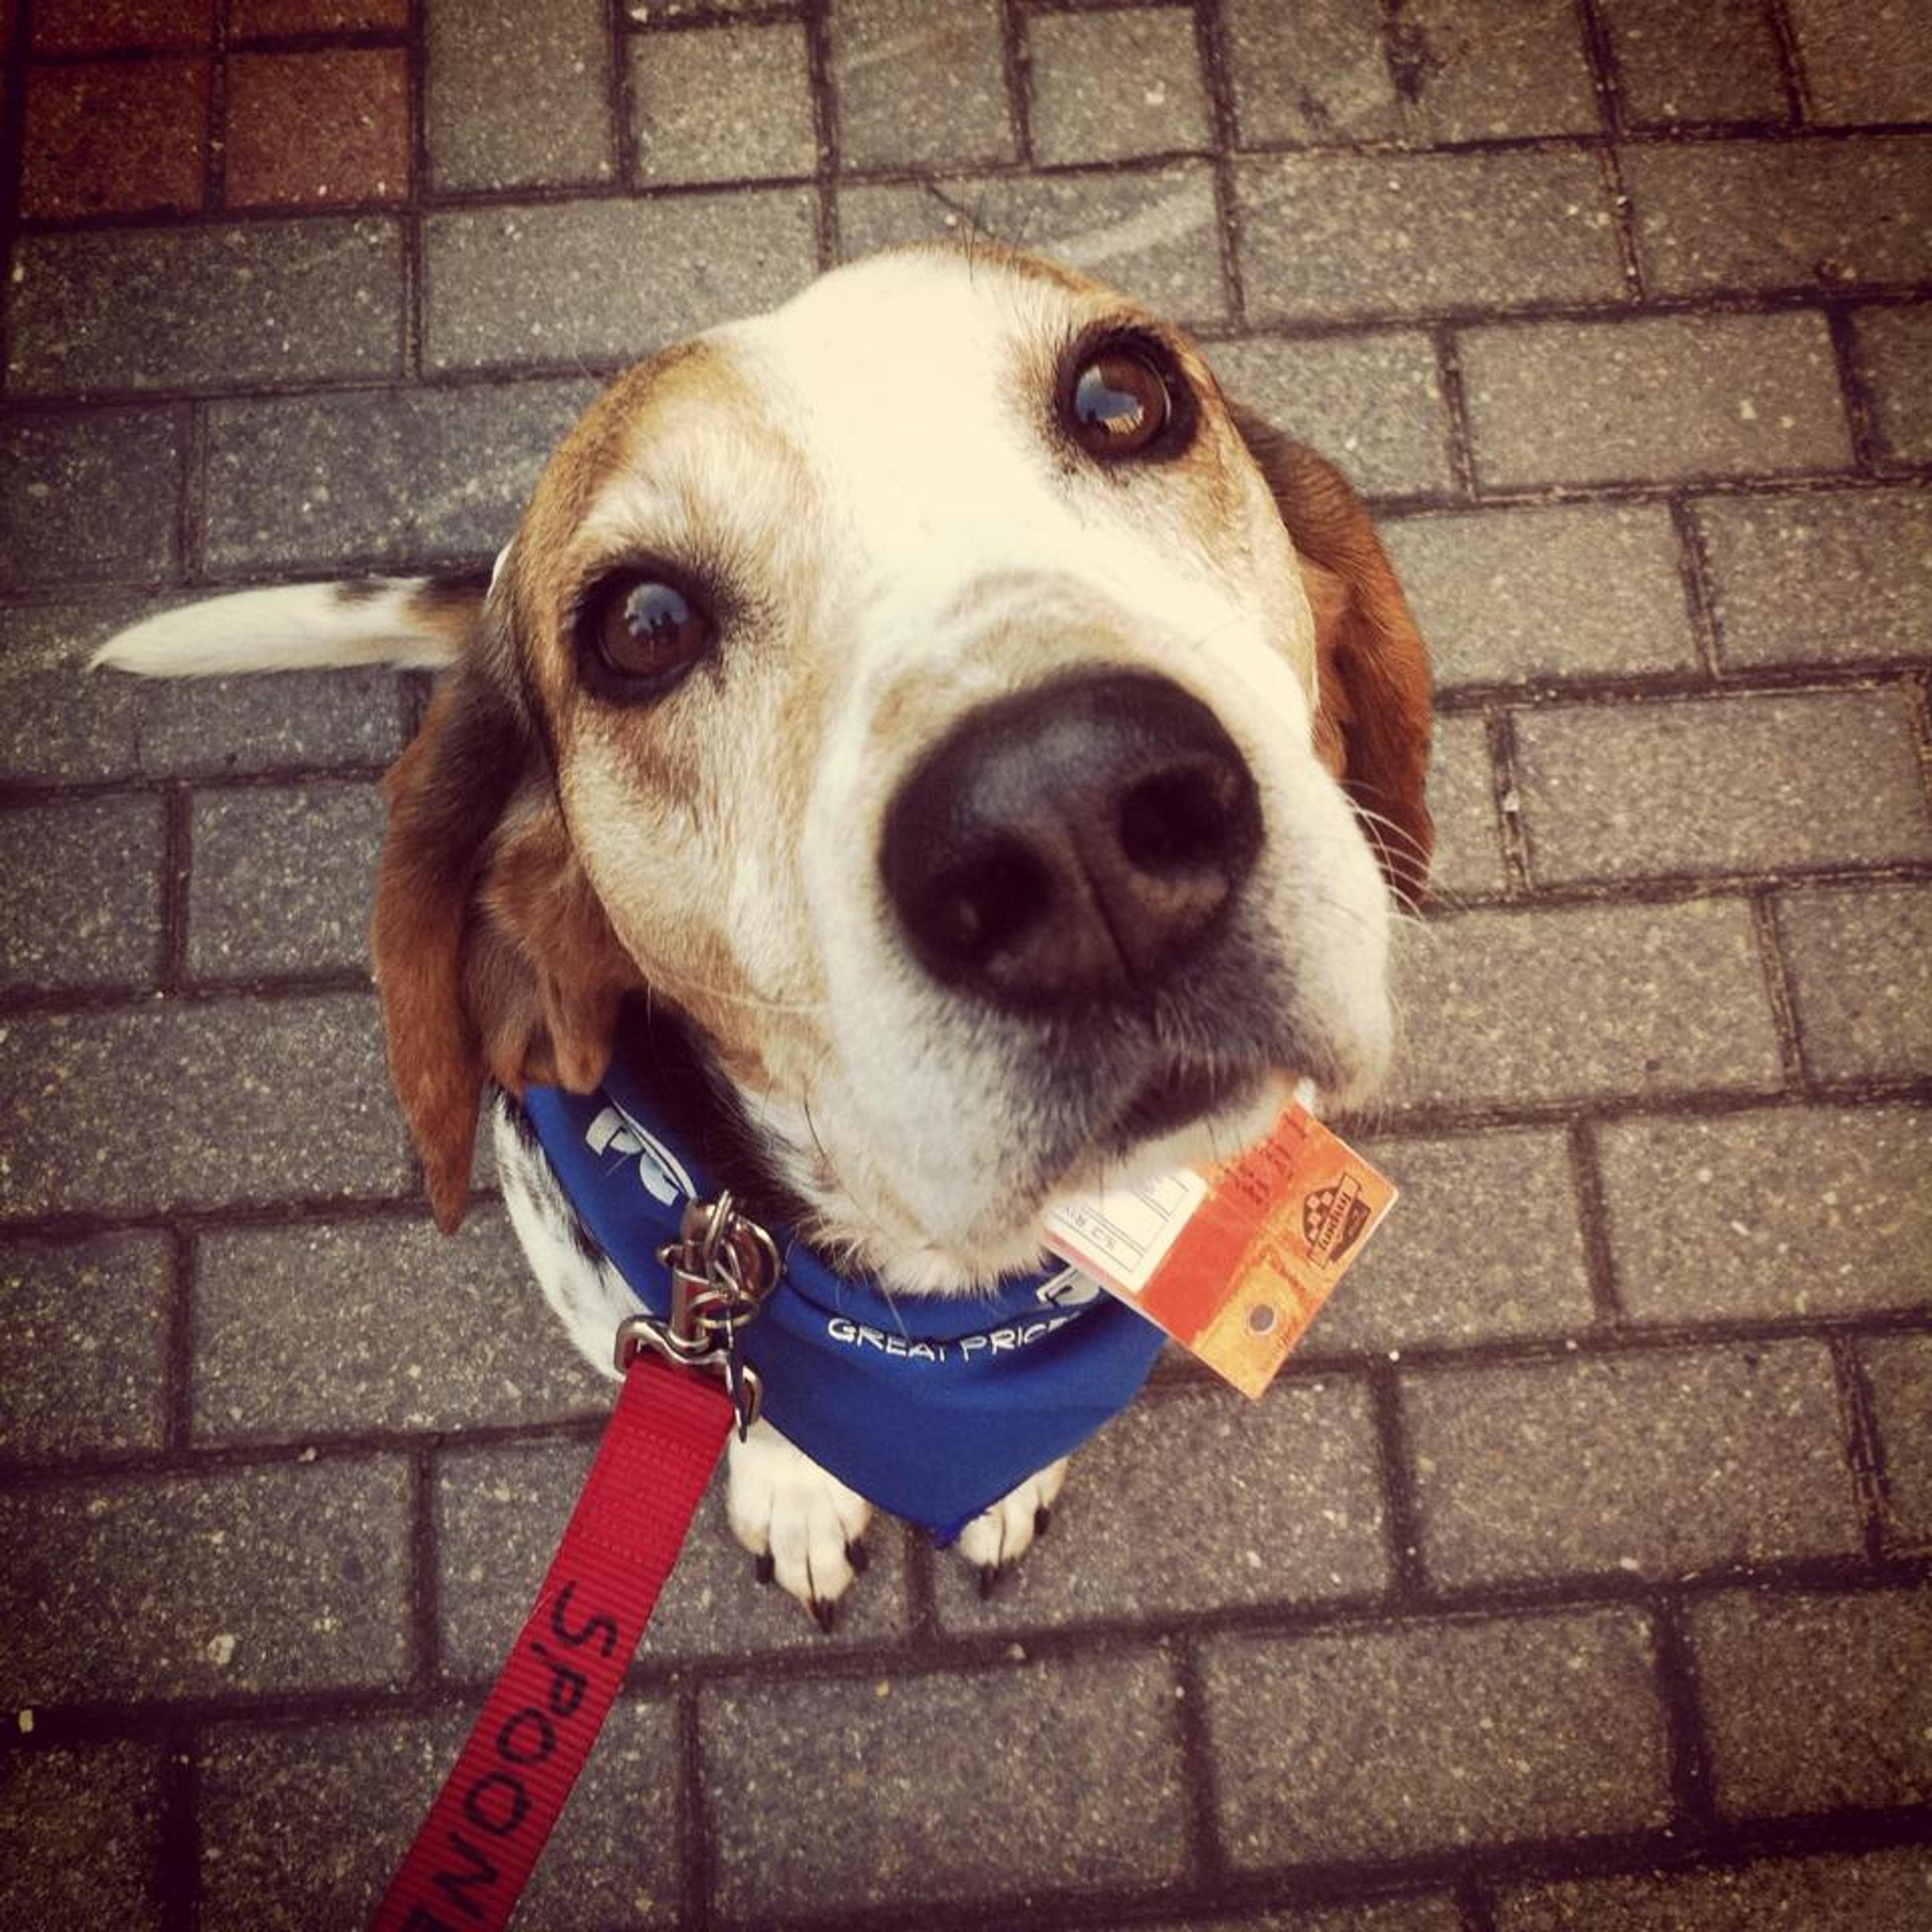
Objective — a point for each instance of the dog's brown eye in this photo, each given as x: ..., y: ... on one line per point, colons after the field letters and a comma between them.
x: 648, y: 633
x: 1120, y: 403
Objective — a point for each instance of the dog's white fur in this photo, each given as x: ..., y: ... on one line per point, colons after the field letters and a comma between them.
x: 869, y: 464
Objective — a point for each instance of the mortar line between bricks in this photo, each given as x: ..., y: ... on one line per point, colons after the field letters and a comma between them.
x: 1860, y: 418
x: 621, y: 148
x: 1790, y: 67
x: 1458, y: 433
x: 1506, y: 800
x: 215, y: 147
x: 327, y: 40
x: 412, y: 323
x: 1210, y: 46
x: 693, y: 1842
x: 816, y: 25
x: 176, y: 859
x: 1599, y: 56
x: 1473, y: 1903
x: 1366, y: 1364
x: 1864, y: 1444
x: 1593, y: 1220
x: 59, y: 1725
x: 1401, y: 1521
x: 922, y: 1591
x: 1281, y: 329
x: 1205, y: 1860
x: 1687, y: 1753
x: 425, y: 1606
x: 1694, y: 571
x: 1015, y: 79
x: 1779, y: 987
x: 177, y: 1345
x: 177, y: 1841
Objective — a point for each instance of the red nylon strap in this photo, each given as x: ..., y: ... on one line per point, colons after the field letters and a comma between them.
x: 477, y: 1847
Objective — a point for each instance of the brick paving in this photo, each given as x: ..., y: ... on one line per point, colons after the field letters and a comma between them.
x: 1576, y: 1575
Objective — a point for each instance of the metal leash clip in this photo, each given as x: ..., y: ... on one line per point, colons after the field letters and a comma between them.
x: 722, y: 1266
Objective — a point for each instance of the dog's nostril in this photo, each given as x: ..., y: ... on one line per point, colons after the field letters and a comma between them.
x: 981, y: 904
x: 1182, y: 819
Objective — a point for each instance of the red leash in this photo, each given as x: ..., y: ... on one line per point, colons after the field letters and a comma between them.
x: 477, y: 1848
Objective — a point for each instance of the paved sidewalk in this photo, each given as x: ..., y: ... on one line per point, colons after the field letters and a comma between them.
x: 1576, y: 1576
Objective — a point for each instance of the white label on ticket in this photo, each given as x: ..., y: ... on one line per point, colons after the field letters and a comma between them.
x: 1125, y: 1233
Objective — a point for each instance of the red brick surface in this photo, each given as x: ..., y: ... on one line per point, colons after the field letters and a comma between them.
x: 94, y: 26
x: 253, y: 18
x: 311, y: 128
x: 115, y: 137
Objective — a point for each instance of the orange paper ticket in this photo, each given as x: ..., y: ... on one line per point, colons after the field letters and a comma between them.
x: 1234, y: 1263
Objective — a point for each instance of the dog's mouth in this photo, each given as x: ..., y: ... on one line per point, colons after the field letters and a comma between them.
x: 1177, y: 1095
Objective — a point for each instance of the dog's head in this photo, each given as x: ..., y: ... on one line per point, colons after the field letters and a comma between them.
x: 999, y: 748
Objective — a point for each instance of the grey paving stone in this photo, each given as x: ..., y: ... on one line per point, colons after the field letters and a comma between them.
x: 1656, y: 397
x: 1850, y: 1724
x: 83, y: 1333
x: 80, y: 1838
x: 1483, y: 1243
x: 920, y: 86
x: 1069, y: 1771
x: 1197, y: 1500
x: 1468, y: 856
x: 722, y: 103
x: 1800, y: 1210
x: 208, y: 1102
x: 361, y: 1790
x: 280, y: 880
x: 61, y: 725
x: 143, y: 308
x: 1715, y: 216
x: 356, y: 1325
x: 293, y: 1577
x: 1852, y: 1893
x: 1151, y: 234
x: 1719, y: 785
x: 1583, y: 588
x: 1651, y: 1464
x: 1894, y: 353
x: 1374, y: 1743
x: 1861, y: 960
x: 1397, y: 234
x: 89, y: 496
x: 518, y: 96
x: 1864, y: 63
x: 1371, y: 404
x: 1899, y: 1370
x: 582, y: 281
x: 388, y: 479
x: 1451, y: 71
x: 499, y: 1512
x: 80, y: 892
x: 1420, y: 1911
x: 1503, y: 1007
x: 1779, y: 566
x: 1719, y: 63
x: 1104, y: 87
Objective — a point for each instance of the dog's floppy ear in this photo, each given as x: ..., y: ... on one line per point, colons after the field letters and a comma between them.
x: 492, y: 951
x: 1373, y: 728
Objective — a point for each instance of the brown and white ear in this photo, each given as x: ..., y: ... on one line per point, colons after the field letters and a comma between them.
x: 1374, y: 720
x: 492, y: 952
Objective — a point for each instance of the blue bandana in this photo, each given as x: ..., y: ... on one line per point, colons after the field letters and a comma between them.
x: 930, y: 1407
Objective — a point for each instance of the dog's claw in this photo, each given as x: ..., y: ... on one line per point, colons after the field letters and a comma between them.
x: 825, y: 1613
x: 990, y: 1574
x: 858, y: 1557
x: 765, y: 1568
x: 1042, y: 1520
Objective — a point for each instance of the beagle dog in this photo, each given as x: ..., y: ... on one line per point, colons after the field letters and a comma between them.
x: 992, y: 754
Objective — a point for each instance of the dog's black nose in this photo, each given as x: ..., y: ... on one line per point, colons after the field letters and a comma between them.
x: 1071, y: 843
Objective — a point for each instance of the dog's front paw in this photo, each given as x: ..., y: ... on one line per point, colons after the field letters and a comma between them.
x: 801, y: 1522
x: 998, y: 1537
